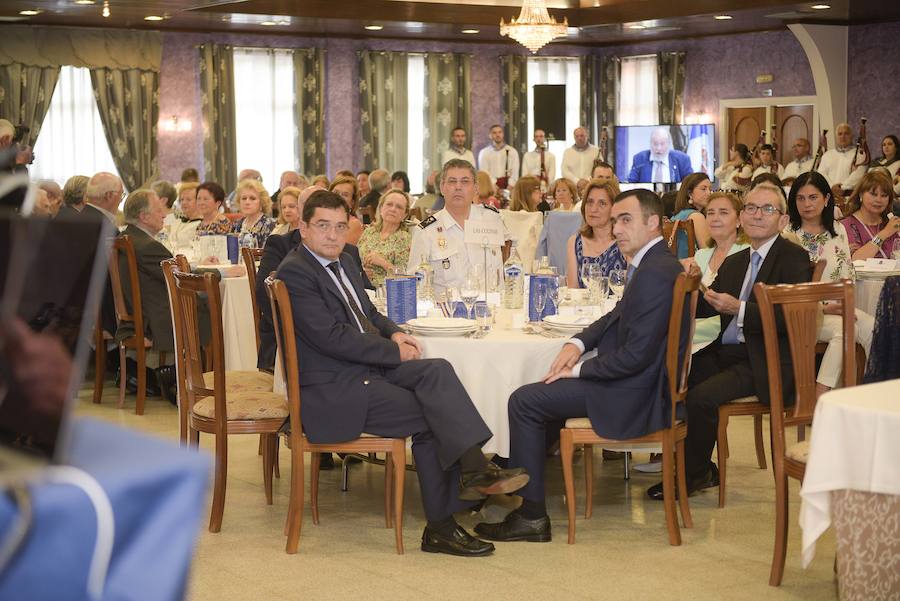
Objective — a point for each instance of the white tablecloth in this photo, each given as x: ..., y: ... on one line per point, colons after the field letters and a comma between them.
x: 237, y: 324
x: 855, y: 445
x: 867, y: 293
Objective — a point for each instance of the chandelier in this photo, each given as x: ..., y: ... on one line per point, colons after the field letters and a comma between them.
x: 534, y: 28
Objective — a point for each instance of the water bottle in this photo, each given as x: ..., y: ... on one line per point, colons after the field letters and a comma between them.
x: 513, y: 280
x: 424, y: 279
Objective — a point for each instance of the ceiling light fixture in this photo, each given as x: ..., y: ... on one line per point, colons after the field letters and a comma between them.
x: 534, y: 28
x: 723, y: 17
x: 153, y: 18
x: 471, y: 31
x: 85, y: 1
x: 30, y: 13
x: 820, y: 6
x: 637, y: 26
x: 268, y: 23
x: 105, y: 12
x: 374, y: 27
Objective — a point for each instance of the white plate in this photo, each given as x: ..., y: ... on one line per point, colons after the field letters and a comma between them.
x: 443, y: 333
x: 569, y: 321
x: 440, y: 323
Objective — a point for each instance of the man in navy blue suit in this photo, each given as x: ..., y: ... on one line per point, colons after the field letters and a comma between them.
x: 623, y: 388
x: 660, y: 164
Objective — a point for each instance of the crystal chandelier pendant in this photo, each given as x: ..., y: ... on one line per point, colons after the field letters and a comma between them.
x: 534, y: 28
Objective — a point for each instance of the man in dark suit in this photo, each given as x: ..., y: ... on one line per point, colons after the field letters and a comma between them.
x: 660, y: 164
x: 623, y: 388
x: 360, y: 373
x: 734, y: 365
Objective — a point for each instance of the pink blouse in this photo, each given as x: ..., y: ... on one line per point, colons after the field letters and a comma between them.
x: 859, y: 234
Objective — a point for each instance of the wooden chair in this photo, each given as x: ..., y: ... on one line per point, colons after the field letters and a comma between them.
x: 748, y: 405
x: 579, y: 430
x: 394, y: 448
x: 250, y: 257
x: 234, y: 380
x: 798, y: 307
x: 101, y: 337
x: 670, y: 233
x: 122, y: 246
x: 212, y: 406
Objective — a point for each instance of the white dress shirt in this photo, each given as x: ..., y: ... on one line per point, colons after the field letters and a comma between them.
x: 531, y: 164
x: 778, y: 170
x: 836, y: 167
x: 578, y: 163
x: 455, y: 153
x: 797, y: 167
x: 497, y: 163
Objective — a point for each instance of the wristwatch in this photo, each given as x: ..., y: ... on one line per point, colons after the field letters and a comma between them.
x: 877, y: 241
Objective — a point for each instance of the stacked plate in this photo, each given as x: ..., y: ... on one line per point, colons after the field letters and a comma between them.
x: 567, y: 324
x: 441, y: 326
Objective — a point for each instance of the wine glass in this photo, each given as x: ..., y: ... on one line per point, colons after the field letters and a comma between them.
x: 469, y: 292
x: 585, y: 272
x: 539, y: 297
x: 617, y: 282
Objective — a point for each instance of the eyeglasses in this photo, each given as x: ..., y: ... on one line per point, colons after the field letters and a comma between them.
x: 324, y: 227
x: 453, y: 182
x: 768, y: 210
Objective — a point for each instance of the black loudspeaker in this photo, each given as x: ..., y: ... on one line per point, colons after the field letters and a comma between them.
x: 550, y: 110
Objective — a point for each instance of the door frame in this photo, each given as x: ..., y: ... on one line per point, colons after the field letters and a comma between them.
x: 769, y: 103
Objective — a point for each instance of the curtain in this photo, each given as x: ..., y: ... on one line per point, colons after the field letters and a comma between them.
x: 608, y: 79
x: 447, y: 104
x: 515, y: 101
x: 25, y: 94
x: 670, y: 86
x: 309, y: 109
x: 589, y: 94
x: 383, y: 109
x: 128, y: 101
x: 217, y: 106
x: 81, y: 47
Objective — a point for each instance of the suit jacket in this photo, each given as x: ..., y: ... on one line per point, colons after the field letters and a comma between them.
x: 276, y: 249
x: 786, y: 263
x: 631, y: 359
x: 154, y: 296
x: 642, y: 167
x: 335, y: 358
x: 107, y: 303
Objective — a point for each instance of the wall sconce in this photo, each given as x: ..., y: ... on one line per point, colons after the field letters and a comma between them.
x: 700, y: 118
x: 174, y: 124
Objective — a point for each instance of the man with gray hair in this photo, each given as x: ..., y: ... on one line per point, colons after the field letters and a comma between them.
x: 103, y: 195
x: 661, y: 163
x: 379, y: 181
x: 13, y: 158
x: 579, y: 158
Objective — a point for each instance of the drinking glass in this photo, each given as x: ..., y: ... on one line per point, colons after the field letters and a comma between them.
x: 895, y: 254
x: 585, y: 272
x: 540, y: 297
x: 603, y: 287
x: 617, y: 282
x: 469, y: 292
x: 484, y: 318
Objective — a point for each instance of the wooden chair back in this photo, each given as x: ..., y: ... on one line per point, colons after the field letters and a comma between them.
x: 190, y: 288
x: 670, y: 233
x: 818, y: 270
x: 678, y: 362
x: 123, y: 251
x: 797, y: 310
x: 667, y: 226
x: 283, y: 322
x: 250, y: 257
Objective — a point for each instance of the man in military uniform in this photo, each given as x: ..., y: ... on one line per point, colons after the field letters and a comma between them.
x: 440, y: 239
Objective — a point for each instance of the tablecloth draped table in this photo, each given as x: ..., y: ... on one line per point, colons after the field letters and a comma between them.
x: 237, y: 324
x: 868, y: 292
x: 157, y: 492
x: 853, y: 473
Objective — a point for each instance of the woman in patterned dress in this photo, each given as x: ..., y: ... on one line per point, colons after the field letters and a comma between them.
x: 256, y: 208
x: 210, y: 198
x: 870, y: 230
x: 384, y: 245
x: 594, y: 242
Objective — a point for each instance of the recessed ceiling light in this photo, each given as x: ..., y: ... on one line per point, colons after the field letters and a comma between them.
x: 723, y: 17
x: 85, y: 1
x: 470, y: 31
x: 636, y: 26
x: 268, y: 23
x: 374, y: 27
x: 820, y: 6
x: 153, y: 18
x: 30, y: 13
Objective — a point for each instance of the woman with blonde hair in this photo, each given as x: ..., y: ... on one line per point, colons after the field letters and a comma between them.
x: 346, y: 187
x: 871, y: 232
x: 255, y: 208
x: 385, y: 245
x: 183, y: 222
x: 486, y: 194
x: 564, y: 194
x: 289, y: 216
x: 594, y: 242
x: 526, y: 194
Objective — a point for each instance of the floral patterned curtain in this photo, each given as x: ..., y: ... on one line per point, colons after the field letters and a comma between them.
x: 608, y: 100
x: 589, y: 91
x: 128, y: 100
x: 515, y: 101
x: 309, y: 109
x: 670, y: 83
x: 448, y: 80
x: 25, y: 93
x: 383, y: 109
x: 217, y: 106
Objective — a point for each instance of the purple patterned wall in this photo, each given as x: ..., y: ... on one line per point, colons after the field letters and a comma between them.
x: 717, y: 67
x: 873, y: 81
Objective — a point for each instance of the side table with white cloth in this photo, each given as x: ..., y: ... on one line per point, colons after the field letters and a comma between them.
x: 853, y: 474
x: 868, y: 285
x: 238, y: 330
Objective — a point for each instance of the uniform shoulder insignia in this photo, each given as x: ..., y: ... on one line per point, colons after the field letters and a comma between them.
x: 492, y: 208
x: 426, y: 222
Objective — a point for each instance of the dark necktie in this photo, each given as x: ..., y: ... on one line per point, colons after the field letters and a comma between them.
x: 367, y: 326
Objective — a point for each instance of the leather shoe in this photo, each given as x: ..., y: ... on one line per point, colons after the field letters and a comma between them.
x: 474, y: 486
x: 131, y: 384
x: 708, y: 480
x: 326, y: 461
x: 459, y: 542
x: 165, y: 377
x: 517, y: 528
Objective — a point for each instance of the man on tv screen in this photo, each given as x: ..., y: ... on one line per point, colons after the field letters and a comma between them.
x: 661, y: 163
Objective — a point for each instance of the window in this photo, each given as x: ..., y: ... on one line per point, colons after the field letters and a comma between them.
x: 71, y: 140
x: 264, y: 113
x: 637, y: 91
x: 415, y: 90
x: 556, y: 71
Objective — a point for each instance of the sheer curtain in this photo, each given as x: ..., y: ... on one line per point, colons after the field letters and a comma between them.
x: 415, y: 91
x: 72, y: 141
x: 556, y: 71
x: 638, y: 92
x: 264, y: 112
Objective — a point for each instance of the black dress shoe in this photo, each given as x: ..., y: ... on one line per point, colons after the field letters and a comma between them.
x: 131, y: 383
x: 517, y: 528
x: 458, y: 542
x: 474, y: 486
x: 326, y: 461
x: 708, y: 480
x: 168, y: 385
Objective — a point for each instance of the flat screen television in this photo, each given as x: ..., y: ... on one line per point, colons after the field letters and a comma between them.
x: 649, y: 154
